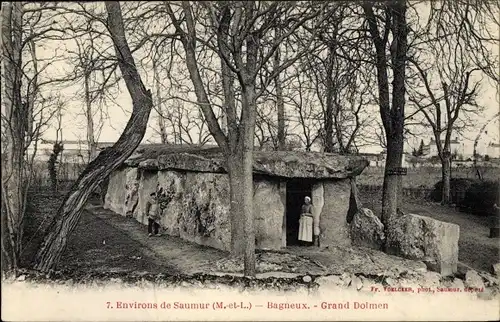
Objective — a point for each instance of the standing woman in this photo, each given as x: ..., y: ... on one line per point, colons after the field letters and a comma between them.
x: 306, y: 221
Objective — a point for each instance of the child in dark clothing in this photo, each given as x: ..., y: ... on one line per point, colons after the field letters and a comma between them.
x: 153, y: 213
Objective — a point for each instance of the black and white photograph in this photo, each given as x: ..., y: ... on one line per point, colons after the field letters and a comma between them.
x: 250, y: 160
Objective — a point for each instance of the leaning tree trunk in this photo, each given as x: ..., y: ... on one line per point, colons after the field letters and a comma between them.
x: 69, y: 213
x: 90, y: 119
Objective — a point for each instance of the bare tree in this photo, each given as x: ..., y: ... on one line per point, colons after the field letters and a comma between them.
x: 69, y: 213
x: 26, y: 111
x: 240, y: 34
x: 476, y: 141
x: 187, y: 125
x: 445, y: 91
x: 390, y: 19
x: 306, y: 115
x: 87, y: 61
x: 452, y: 100
x: 266, y: 127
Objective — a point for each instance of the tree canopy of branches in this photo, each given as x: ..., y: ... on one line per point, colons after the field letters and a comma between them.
x: 27, y: 107
x: 99, y: 169
x: 242, y: 36
x: 445, y: 90
x: 279, y: 75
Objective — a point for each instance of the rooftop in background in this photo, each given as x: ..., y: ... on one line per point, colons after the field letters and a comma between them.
x: 288, y: 164
x: 452, y: 141
x: 76, y: 142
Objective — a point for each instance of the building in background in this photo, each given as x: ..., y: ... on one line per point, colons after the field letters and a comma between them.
x: 456, y: 147
x: 75, y: 151
x: 375, y: 159
x: 493, y: 150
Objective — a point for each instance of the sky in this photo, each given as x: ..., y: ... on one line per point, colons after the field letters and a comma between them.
x: 74, y: 121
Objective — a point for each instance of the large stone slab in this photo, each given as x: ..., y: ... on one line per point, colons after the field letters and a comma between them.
x: 354, y: 201
x: 268, y: 211
x: 172, y: 184
x: 367, y: 230
x: 289, y: 164
x: 116, y: 194
x: 432, y: 241
x: 204, y: 217
x: 131, y: 192
x: 318, y: 200
x: 495, y: 269
x: 333, y: 224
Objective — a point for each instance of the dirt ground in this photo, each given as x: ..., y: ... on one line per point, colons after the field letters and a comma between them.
x: 476, y: 249
x: 94, y: 246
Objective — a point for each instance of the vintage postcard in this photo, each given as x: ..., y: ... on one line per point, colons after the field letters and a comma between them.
x: 250, y: 160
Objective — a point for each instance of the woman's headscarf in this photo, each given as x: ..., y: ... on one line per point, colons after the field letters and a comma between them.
x: 307, y: 199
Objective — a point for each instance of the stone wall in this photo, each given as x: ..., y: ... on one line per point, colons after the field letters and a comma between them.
x: 195, y: 206
x: 204, y: 217
x: 172, y: 183
x: 121, y: 182
x: 148, y: 182
x: 423, y: 238
x: 115, y: 196
x: 333, y: 218
x: 318, y: 200
x: 269, y: 210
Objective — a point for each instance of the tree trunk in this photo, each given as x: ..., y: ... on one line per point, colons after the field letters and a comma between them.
x: 280, y: 104
x: 13, y: 127
x: 32, y: 95
x: 391, y: 186
x: 161, y: 119
x: 90, y: 119
x: 69, y: 213
x: 240, y: 164
x: 238, y: 144
x: 241, y: 208
x: 329, y: 102
x: 445, y: 177
x: 281, y: 115
x: 392, y: 116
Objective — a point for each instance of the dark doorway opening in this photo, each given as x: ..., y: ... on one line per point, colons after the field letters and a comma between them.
x: 296, y: 191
